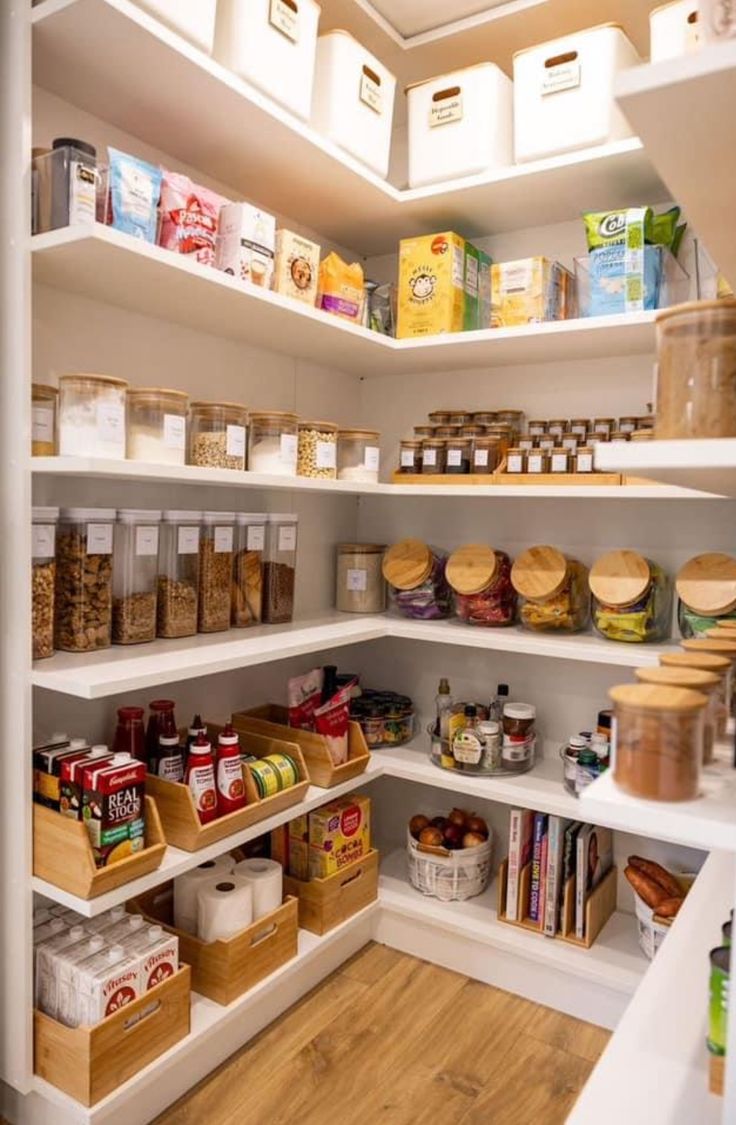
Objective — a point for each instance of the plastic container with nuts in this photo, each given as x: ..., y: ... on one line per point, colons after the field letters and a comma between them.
x: 317, y: 451
x: 157, y: 425
x: 135, y: 576
x: 217, y: 435
x: 83, y: 592
x: 215, y: 571
x: 358, y: 455
x: 248, y: 565
x: 279, y: 572
x: 178, y: 574
x: 274, y: 443
x: 43, y: 577
x: 44, y: 401
x: 92, y: 416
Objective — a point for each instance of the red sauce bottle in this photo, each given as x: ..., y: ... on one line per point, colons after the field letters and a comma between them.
x: 229, y: 773
x: 200, y: 777
x: 129, y: 733
x: 161, y: 721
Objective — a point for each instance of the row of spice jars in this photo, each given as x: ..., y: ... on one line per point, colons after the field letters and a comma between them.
x: 102, y: 577
x: 453, y: 456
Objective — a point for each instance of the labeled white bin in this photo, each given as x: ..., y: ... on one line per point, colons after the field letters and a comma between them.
x: 674, y: 30
x: 353, y: 103
x: 193, y: 19
x: 272, y: 44
x: 460, y: 124
x: 563, y: 92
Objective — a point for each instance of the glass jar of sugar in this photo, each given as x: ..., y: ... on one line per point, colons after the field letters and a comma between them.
x: 274, y: 443
x: 358, y: 455
x: 157, y: 425
x: 92, y: 416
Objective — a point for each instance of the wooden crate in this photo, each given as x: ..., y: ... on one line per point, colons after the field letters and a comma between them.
x: 325, y: 903
x: 271, y: 719
x: 598, y: 909
x: 716, y: 1074
x: 224, y: 970
x: 88, y: 1063
x: 442, y: 478
x: 179, y: 814
x: 560, y: 480
x: 62, y: 853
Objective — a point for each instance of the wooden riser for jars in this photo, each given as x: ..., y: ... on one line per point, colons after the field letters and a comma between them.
x: 325, y: 903
x: 272, y: 720
x: 442, y: 478
x: 504, y: 478
x: 600, y: 905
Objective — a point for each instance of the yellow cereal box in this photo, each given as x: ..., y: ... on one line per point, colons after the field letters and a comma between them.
x: 431, y: 285
x: 529, y: 291
x: 338, y: 834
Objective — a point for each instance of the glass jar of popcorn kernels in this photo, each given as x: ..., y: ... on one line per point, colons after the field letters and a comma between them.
x: 218, y: 435
x: 317, y: 450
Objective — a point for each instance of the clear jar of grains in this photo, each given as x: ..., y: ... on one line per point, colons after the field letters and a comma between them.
x: 83, y: 591
x: 44, y: 401
x: 43, y: 562
x: 178, y: 574
x: 218, y: 432
x: 248, y: 565
x: 215, y: 571
x: 135, y: 576
x: 273, y: 443
x: 317, y: 450
x: 157, y: 425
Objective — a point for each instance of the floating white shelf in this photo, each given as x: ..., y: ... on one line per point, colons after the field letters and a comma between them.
x: 705, y: 464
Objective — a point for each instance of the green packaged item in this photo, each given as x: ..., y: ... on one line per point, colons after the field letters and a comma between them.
x: 720, y: 971
x: 631, y: 227
x: 485, y: 302
x: 664, y: 228
x: 471, y: 281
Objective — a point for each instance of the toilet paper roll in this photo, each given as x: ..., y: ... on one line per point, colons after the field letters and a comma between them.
x: 224, y: 907
x: 187, y: 885
x: 266, y: 878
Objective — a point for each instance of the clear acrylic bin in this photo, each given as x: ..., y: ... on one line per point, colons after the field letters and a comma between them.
x: 602, y: 282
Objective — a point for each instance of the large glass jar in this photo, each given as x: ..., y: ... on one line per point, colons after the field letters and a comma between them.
x: 434, y: 453
x: 696, y: 381
x: 44, y: 401
x: 632, y: 598
x: 486, y: 454
x: 418, y: 586
x: 358, y: 455
x: 215, y: 571
x: 410, y: 456
x: 361, y: 587
x: 553, y: 590
x: 274, y: 443
x: 217, y: 435
x: 317, y: 450
x: 43, y: 578
x: 480, y: 578
x: 280, y: 568
x: 706, y: 587
x: 135, y: 576
x: 83, y: 594
x: 157, y: 425
x: 716, y: 647
x: 504, y: 435
x: 659, y: 741
x: 512, y: 418
x: 178, y: 574
x: 248, y: 566
x: 694, y: 679
x: 92, y: 416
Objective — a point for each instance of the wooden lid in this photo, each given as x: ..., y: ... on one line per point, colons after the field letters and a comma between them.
x: 693, y: 678
x: 471, y: 569
x: 320, y: 427
x: 620, y: 578
x: 726, y: 626
x: 723, y: 304
x: 710, y: 644
x: 706, y: 661
x: 407, y: 564
x: 539, y: 572
x: 358, y: 434
x: 707, y: 584
x: 653, y: 697
x: 149, y: 392
x: 108, y: 380
x: 720, y: 634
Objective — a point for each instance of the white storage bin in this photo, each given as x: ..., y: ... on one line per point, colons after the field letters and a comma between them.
x: 718, y: 20
x: 563, y: 92
x: 460, y: 124
x: 271, y: 43
x: 353, y: 102
x: 194, y: 19
x: 449, y: 876
x: 675, y: 30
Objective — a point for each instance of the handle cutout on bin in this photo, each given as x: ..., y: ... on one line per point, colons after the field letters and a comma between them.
x: 692, y: 17
x: 264, y: 935
x: 560, y: 60
x: 144, y: 1014
x: 450, y: 92
x: 291, y: 4
x: 352, y: 878
x: 371, y: 74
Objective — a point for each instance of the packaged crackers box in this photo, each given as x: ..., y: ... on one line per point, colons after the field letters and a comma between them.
x: 113, y: 809
x: 431, y: 285
x: 246, y: 243
x: 528, y: 291
x: 339, y: 833
x: 296, y: 268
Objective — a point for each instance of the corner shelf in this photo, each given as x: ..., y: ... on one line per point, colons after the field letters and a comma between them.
x: 706, y: 464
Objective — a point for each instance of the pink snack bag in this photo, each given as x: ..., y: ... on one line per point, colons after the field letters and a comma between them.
x: 305, y: 696
x: 190, y: 215
x: 331, y: 720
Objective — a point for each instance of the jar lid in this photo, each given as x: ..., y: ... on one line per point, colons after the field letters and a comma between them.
x: 219, y: 406
x: 360, y: 548
x: 245, y: 519
x: 421, y: 431
x: 38, y: 515
x: 519, y: 711
x: 653, y: 697
x: 489, y: 726
x: 147, y: 392
x: 707, y: 661
x: 101, y: 380
x: 539, y: 572
x: 42, y: 390
x: 174, y: 515
x: 434, y: 443
x: 723, y: 304
x: 81, y: 515
x: 284, y: 417
x: 412, y: 443
x: 139, y: 515
x: 407, y: 564
x: 596, y: 420
x: 558, y: 422
x: 725, y: 627
x: 709, y: 644
x: 620, y: 578
x: 218, y: 517
x: 695, y: 678
x: 471, y: 569
x: 74, y: 142
x: 331, y: 427
x: 707, y: 584
x: 577, y: 742
x: 360, y: 433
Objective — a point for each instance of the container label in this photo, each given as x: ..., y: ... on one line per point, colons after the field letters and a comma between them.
x: 480, y: 458
x: 175, y: 431
x: 171, y: 768
x: 446, y: 111
x: 372, y: 458
x: 256, y: 538
x: 429, y: 457
x: 289, y: 445
x: 111, y: 423
x: 285, y: 19
x: 564, y: 76
x: 454, y: 458
x: 326, y: 455
x: 187, y: 540
x: 370, y: 93
x: 43, y: 541
x: 559, y: 462
x: 235, y: 441
x: 146, y: 541
x: 357, y: 580
x: 534, y: 463
x: 407, y: 458
x: 223, y: 540
x: 467, y: 747
x: 99, y: 538
x: 42, y: 423
x: 82, y: 193
x: 514, y: 464
x: 287, y: 537
x: 585, y: 462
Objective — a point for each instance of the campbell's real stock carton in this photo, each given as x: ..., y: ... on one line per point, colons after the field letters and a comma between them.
x: 113, y: 809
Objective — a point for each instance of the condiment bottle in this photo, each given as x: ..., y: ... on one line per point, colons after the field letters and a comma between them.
x: 467, y: 744
x: 169, y: 758
x: 444, y: 708
x: 160, y: 721
x: 200, y: 777
x: 587, y: 770
x: 129, y: 733
x: 229, y: 773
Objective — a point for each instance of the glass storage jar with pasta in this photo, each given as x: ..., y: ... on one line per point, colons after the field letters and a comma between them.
x: 178, y: 574
x: 659, y: 741
x: 358, y: 455
x: 43, y: 577
x: 317, y: 450
x: 480, y: 578
x: 706, y: 589
x: 83, y: 592
x: 418, y: 585
x: 696, y: 380
x: 632, y: 598
x: 553, y: 590
x: 217, y: 435
x: 135, y: 576
x: 157, y: 425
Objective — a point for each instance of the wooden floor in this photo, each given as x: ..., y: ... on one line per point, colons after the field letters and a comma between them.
x: 390, y: 1040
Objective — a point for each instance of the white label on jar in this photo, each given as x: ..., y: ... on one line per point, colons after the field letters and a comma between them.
x: 370, y: 93
x: 480, y: 458
x: 515, y: 463
x: 223, y: 540
x: 187, y: 540
x: 564, y: 76
x: 445, y: 111
x: 82, y: 193
x: 570, y: 443
x: 287, y: 537
x: 111, y: 423
x: 289, y: 446
x: 454, y: 458
x: 407, y: 458
x: 43, y: 541
x: 325, y: 457
x: 526, y: 443
x: 99, y: 538
x: 42, y: 423
x: 372, y: 458
x: 559, y: 462
x: 146, y: 541
x: 235, y: 441
x: 357, y: 580
x: 467, y: 747
x: 555, y: 430
x: 585, y: 462
x: 255, y: 539
x: 175, y: 431
x: 429, y: 457
x: 534, y: 463
x: 285, y: 19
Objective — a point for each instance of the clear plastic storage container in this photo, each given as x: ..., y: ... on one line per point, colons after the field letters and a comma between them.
x: 178, y: 574
x: 66, y: 184
x: 659, y: 741
x: 280, y: 568
x: 92, y: 416
x: 358, y: 455
x: 157, y: 425
x: 248, y: 568
x: 706, y: 588
x: 418, y: 585
x: 217, y: 435
x: 215, y: 571
x: 553, y: 590
x: 83, y: 594
x: 135, y: 576
x: 480, y: 578
x: 43, y: 578
x: 696, y: 382
x: 317, y: 450
x: 632, y: 598
x: 274, y: 443
x: 44, y: 401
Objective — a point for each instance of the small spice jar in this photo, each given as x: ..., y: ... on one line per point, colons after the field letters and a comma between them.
x: 516, y: 460
x: 569, y: 753
x: 83, y: 592
x: 659, y: 741
x: 526, y: 443
x: 433, y: 456
x: 706, y: 662
x: 217, y: 435
x: 561, y: 460
x: 632, y: 598
x: 418, y: 585
x: 410, y: 456
x: 485, y: 417
x: 537, y: 428
x: 44, y: 401
x: 178, y: 574
x: 706, y: 588
x: 486, y: 457
x: 317, y: 450
x: 547, y: 443
x: 628, y: 423
x: 358, y: 455
x: 696, y: 680
x: 517, y: 752
x: 538, y: 461
x: 458, y: 455
x: 135, y: 576
x: 460, y: 418
x: 361, y: 587
x: 447, y: 431
x: 604, y: 426
x: 584, y: 459
x: 280, y: 568
x: 440, y: 417
x: 619, y: 435
x: 642, y: 435
x: 553, y: 591
x: 696, y: 381
x: 504, y: 435
x: 480, y: 578
x: 579, y: 427
x: 556, y: 427
x: 274, y: 443
x: 92, y: 416
x: 570, y: 440
x: 424, y: 431
x: 43, y: 578
x: 248, y: 568
x: 215, y: 571
x: 157, y: 425
x: 472, y: 431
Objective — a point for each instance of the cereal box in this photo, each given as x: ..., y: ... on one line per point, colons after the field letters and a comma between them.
x: 528, y: 291
x: 246, y: 241
x: 431, y: 285
x: 339, y: 833
x: 471, y: 317
x: 296, y: 268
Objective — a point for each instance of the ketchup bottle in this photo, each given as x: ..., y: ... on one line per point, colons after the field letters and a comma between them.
x: 161, y: 721
x: 129, y: 734
x: 200, y: 777
x: 229, y: 773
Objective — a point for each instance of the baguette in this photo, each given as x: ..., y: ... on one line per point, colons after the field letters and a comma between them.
x: 650, y: 892
x: 658, y: 873
x: 669, y: 908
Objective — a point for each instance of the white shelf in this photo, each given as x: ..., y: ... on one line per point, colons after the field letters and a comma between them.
x: 706, y: 464
x: 654, y: 1070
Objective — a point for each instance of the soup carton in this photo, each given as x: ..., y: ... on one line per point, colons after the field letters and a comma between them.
x: 113, y: 809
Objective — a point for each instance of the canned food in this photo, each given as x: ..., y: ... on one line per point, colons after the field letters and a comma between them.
x: 273, y: 774
x: 720, y: 971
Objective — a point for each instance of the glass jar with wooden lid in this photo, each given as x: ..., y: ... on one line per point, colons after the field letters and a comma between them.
x: 512, y: 418
x: 716, y: 647
x: 274, y: 443
x: 570, y: 440
x: 486, y: 454
x: 628, y: 423
x: 472, y: 431
x: 516, y: 460
x: 537, y: 427
x: 460, y: 418
x: 458, y: 455
x: 485, y: 417
x: 538, y: 461
x: 447, y: 431
x: 632, y: 598
x: 556, y: 427
x: 604, y: 426
x: 217, y: 437
x: 439, y: 417
x: 706, y: 662
x: 584, y: 459
x: 696, y: 382
x: 561, y: 460
x: 553, y: 589
x: 358, y: 455
x: 157, y: 425
x: 410, y: 456
x: 44, y: 401
x: 433, y: 456
x: 659, y: 740
x: 641, y: 435
x: 361, y: 587
x: 317, y: 450
x: 91, y: 416
x: 504, y: 435
x: 696, y: 680
x: 424, y: 431
x: 579, y: 427
x: 418, y: 585
x: 706, y: 589
x: 619, y: 435
x: 480, y: 578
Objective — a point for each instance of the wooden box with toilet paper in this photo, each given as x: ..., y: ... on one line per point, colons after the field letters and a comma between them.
x: 325, y: 903
x: 272, y: 720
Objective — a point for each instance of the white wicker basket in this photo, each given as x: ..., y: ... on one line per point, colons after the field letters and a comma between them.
x: 449, y: 876
x: 652, y: 932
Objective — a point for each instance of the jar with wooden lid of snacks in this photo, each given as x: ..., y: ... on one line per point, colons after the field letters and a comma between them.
x: 215, y: 571
x: 410, y: 456
x: 696, y: 382
x: 218, y: 435
x: 480, y: 578
x: 579, y: 427
x: 561, y: 460
x: 632, y: 598
x: 135, y: 576
x: 458, y: 455
x: 44, y: 401
x: 280, y: 568
x: 92, y: 416
x: 659, y: 741
x: 485, y: 418
x: 358, y: 455
x: 43, y: 578
x: 460, y: 418
x: 433, y: 456
x: 696, y: 680
x: 361, y: 587
x: 274, y: 443
x: 424, y: 431
x: 157, y: 425
x: 486, y: 455
x: 556, y: 427
x: 418, y: 585
x: 440, y: 417
x: 706, y: 662
x: 604, y: 426
x: 516, y: 460
x: 83, y: 592
x: 706, y: 589
x: 178, y: 574
x: 317, y: 451
x: 538, y: 461
x: 553, y: 590
x: 248, y: 565
x: 584, y: 459
x: 537, y: 427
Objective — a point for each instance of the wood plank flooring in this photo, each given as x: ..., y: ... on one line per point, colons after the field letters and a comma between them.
x: 391, y: 1040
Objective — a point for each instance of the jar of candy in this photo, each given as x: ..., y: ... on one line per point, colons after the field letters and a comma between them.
x: 632, y: 598
x: 706, y: 588
x: 553, y: 590
x: 481, y: 581
x: 418, y: 586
